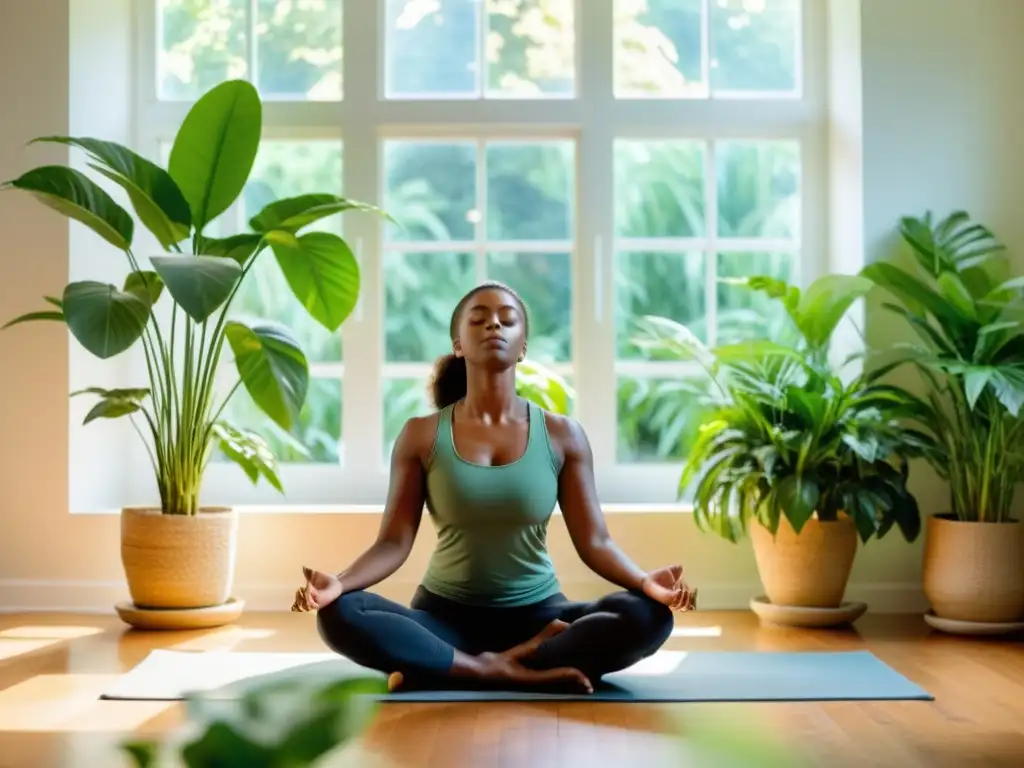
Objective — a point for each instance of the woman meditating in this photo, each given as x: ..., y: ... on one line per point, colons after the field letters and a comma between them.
x: 490, y: 468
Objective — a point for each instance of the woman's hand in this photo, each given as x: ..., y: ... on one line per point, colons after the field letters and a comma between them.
x: 321, y: 590
x: 667, y: 586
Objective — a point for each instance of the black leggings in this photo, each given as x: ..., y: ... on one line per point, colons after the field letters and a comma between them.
x: 605, y: 635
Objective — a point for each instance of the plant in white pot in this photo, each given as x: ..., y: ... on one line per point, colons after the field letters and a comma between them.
x: 954, y: 286
x: 793, y: 455
x: 176, y: 305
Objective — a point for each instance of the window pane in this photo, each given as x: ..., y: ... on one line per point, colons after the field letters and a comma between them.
x: 431, y: 190
x: 746, y: 314
x: 421, y: 291
x: 754, y: 45
x: 289, y: 168
x: 545, y: 284
x: 658, y: 48
x: 531, y: 48
x: 758, y: 189
x: 659, y: 189
x: 659, y: 418
x: 315, y: 438
x: 671, y: 285
x: 284, y: 169
x: 298, y: 48
x: 530, y: 189
x: 403, y: 399
x: 431, y: 48
x: 201, y: 45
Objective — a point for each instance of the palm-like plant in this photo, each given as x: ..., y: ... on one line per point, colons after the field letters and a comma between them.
x: 787, y: 436
x: 210, y: 162
x: 968, y: 314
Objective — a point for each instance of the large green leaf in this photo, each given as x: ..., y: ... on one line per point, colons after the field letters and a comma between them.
x: 215, y: 148
x: 198, y: 284
x: 913, y: 292
x: 272, y: 367
x: 146, y: 284
x: 323, y: 274
x: 824, y: 304
x: 975, y: 380
x: 105, y: 321
x: 1008, y: 383
x: 294, y: 213
x: 798, y: 498
x: 236, y: 247
x: 955, y: 292
x: 154, y: 195
x: 78, y: 197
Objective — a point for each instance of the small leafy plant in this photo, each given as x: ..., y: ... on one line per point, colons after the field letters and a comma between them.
x: 544, y: 387
x: 283, y: 721
x: 967, y: 311
x: 210, y: 162
x: 787, y: 436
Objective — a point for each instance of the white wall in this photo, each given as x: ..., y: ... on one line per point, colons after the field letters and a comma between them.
x: 938, y: 75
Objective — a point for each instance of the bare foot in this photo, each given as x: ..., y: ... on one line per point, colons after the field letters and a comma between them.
x: 523, y: 650
x: 499, y: 668
x: 321, y: 589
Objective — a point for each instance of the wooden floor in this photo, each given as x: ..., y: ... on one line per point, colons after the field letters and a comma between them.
x: 53, y: 666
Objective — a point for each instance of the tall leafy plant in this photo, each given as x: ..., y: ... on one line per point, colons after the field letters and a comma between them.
x: 179, y: 409
x: 967, y: 311
x: 787, y: 436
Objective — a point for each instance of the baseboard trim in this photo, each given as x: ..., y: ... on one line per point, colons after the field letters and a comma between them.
x: 46, y: 596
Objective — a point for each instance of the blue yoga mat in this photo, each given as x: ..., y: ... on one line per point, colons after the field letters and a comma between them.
x: 728, y: 677
x: 668, y: 676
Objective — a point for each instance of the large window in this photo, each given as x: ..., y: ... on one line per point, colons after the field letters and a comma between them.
x: 608, y: 159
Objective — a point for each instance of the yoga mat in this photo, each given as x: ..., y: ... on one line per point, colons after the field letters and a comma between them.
x: 668, y: 676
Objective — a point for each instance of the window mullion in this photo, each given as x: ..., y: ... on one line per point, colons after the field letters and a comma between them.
x: 711, y: 255
x: 481, y: 209
x: 362, y: 332
x: 593, y: 268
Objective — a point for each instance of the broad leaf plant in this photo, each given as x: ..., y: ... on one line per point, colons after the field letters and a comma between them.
x: 967, y: 310
x: 180, y: 409
x: 787, y: 435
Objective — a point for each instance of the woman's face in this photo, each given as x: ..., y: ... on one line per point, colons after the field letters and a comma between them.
x: 491, y: 330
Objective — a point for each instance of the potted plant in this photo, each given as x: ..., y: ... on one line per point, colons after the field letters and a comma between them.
x: 955, y: 289
x: 792, y: 454
x: 176, y: 305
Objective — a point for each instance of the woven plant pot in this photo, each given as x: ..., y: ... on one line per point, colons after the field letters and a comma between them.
x: 974, y: 571
x: 179, y: 561
x: 809, y: 569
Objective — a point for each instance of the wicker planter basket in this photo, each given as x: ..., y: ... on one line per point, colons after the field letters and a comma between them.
x: 809, y: 569
x: 974, y: 571
x: 179, y: 561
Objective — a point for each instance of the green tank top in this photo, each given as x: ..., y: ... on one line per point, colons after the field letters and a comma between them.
x: 492, y: 522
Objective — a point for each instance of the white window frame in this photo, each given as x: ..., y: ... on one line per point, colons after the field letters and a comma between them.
x: 594, y: 118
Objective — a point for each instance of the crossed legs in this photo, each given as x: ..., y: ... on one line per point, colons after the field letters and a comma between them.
x: 554, y: 641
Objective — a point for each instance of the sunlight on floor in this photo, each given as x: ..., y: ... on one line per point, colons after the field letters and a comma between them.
x: 222, y: 639
x: 697, y: 632
x: 71, y: 703
x: 50, y: 632
x: 9, y: 649
x: 20, y: 640
x: 661, y: 663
